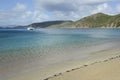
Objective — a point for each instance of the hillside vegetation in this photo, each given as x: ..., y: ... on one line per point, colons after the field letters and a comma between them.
x: 99, y: 20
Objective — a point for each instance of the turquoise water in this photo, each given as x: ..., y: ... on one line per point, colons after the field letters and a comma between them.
x: 48, y: 46
x: 43, y: 42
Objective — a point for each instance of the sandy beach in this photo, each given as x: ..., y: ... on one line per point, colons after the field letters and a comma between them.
x: 104, y: 65
x: 102, y: 70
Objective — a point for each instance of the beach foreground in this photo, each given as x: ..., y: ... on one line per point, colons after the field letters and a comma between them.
x: 105, y: 67
x: 102, y: 70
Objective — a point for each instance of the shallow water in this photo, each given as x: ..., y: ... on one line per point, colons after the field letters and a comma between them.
x: 43, y: 47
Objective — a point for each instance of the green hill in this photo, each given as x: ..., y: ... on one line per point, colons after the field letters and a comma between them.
x: 48, y: 24
x: 99, y: 20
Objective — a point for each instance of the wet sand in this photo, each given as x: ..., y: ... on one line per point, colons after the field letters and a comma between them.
x: 101, y: 65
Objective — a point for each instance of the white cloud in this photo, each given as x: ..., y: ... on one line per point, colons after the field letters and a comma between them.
x: 72, y: 9
x: 72, y: 1
x: 46, y: 10
x: 19, y: 15
x: 20, y: 7
x: 103, y: 8
x: 118, y: 8
x: 39, y: 16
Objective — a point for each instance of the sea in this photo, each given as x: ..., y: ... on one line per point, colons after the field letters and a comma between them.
x: 21, y: 48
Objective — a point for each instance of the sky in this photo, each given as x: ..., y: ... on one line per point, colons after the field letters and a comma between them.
x: 24, y: 12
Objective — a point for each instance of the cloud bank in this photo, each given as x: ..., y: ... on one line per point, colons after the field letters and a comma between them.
x: 46, y: 10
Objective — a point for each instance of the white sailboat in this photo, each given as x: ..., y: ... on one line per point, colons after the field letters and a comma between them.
x: 30, y: 28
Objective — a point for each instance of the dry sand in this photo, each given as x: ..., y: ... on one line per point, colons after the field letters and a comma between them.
x: 108, y: 69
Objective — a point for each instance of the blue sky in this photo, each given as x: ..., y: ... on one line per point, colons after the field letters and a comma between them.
x: 9, y: 4
x: 24, y: 12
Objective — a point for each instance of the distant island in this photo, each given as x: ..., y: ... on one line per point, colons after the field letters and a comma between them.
x: 98, y: 20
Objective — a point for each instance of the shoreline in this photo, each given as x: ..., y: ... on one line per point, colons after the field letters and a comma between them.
x: 55, y: 53
x: 57, y: 70
x: 81, y: 67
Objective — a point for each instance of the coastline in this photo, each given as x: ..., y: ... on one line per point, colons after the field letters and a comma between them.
x: 102, y: 69
x: 58, y: 61
x: 54, y: 72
